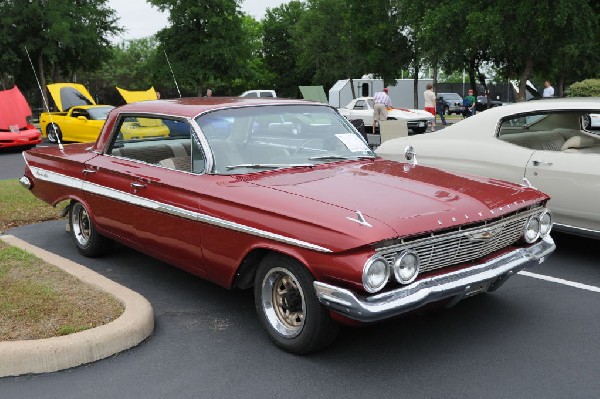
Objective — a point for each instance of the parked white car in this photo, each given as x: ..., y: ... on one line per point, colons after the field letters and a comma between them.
x: 259, y: 93
x: 362, y: 108
x: 552, y: 144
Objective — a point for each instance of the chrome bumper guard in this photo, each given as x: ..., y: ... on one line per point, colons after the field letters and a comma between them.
x: 460, y: 284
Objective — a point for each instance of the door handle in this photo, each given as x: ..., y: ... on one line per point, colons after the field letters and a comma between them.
x: 137, y: 185
x: 86, y: 171
x: 538, y: 163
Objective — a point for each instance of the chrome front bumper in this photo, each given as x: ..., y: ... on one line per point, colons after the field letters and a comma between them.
x: 460, y: 284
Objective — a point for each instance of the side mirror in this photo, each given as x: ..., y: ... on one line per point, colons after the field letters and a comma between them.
x: 81, y: 118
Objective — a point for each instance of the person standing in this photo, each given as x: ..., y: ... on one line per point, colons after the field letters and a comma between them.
x: 381, y: 103
x: 548, y: 89
x: 429, y: 96
x: 440, y: 106
x: 469, y: 104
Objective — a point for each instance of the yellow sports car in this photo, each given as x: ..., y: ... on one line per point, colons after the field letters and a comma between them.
x: 80, y: 119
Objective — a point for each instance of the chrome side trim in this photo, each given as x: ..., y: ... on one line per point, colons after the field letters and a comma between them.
x: 460, y: 284
x: 118, y: 195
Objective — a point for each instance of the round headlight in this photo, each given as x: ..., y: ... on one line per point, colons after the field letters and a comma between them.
x: 545, y: 223
x: 375, y: 274
x: 406, y: 267
x: 532, y: 230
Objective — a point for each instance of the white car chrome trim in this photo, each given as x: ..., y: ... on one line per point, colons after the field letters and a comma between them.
x: 165, y: 208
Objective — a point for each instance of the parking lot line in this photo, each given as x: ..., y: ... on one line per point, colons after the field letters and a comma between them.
x: 561, y: 281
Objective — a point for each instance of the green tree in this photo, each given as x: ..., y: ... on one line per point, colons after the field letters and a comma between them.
x: 62, y: 37
x: 205, y: 43
x: 130, y: 66
x: 281, y: 50
x: 532, y: 37
x: 254, y: 72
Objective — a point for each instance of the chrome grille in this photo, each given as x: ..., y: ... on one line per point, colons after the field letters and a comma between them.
x: 464, y: 245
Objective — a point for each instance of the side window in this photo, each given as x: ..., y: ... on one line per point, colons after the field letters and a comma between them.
x: 266, y: 94
x: 162, y: 142
x: 360, y: 104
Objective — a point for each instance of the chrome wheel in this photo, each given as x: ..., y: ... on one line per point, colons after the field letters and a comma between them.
x: 283, y: 302
x: 53, y: 133
x: 81, y: 224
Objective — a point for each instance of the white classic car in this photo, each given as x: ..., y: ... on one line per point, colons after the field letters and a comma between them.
x: 362, y: 108
x: 554, y: 145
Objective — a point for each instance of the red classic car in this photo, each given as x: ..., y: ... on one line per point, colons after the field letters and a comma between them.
x: 286, y: 197
x: 16, y: 129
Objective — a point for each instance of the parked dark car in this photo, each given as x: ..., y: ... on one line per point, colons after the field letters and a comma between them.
x: 482, y: 103
x: 454, y: 103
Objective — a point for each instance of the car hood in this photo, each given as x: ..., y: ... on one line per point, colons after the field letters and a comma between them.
x: 409, y: 200
x: 140, y: 95
x: 14, y: 110
x: 68, y: 95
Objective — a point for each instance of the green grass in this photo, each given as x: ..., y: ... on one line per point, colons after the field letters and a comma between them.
x: 19, y: 207
x: 38, y: 300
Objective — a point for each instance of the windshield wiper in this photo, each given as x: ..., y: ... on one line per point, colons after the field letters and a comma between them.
x: 335, y: 156
x: 327, y: 156
x: 270, y: 165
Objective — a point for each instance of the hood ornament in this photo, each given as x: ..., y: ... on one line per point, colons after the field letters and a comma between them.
x: 360, y: 219
x: 410, y: 154
x: 527, y: 183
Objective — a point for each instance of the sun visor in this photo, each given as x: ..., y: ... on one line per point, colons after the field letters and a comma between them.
x: 68, y: 95
x: 135, y: 96
x: 14, y: 110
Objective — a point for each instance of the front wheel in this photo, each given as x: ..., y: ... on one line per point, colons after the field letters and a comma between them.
x: 53, y: 133
x: 88, y: 241
x: 288, y: 307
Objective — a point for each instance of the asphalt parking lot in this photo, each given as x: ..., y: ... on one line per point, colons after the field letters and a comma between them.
x: 537, y: 337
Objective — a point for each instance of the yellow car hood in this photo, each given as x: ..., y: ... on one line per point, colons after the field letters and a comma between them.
x: 135, y: 96
x: 68, y: 95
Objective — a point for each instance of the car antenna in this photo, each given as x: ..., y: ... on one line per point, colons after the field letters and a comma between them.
x: 172, y: 74
x: 60, y: 146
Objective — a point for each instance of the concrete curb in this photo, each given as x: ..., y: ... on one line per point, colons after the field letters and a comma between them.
x: 58, y: 353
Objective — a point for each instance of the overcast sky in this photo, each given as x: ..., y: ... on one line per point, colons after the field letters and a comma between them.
x: 142, y: 20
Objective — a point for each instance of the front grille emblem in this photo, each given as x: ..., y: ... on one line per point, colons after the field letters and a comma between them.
x: 484, y: 234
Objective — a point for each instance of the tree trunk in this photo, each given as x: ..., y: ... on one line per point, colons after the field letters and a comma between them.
x: 560, y: 85
x: 521, y: 96
x: 416, y: 85
x: 43, y: 88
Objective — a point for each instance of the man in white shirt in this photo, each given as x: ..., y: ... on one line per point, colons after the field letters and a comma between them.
x: 381, y: 102
x: 548, y: 89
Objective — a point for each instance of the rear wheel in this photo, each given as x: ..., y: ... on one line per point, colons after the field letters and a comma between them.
x: 288, y: 307
x: 88, y: 241
x: 53, y: 133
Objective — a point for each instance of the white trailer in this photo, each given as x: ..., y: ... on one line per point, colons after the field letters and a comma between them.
x: 401, y: 93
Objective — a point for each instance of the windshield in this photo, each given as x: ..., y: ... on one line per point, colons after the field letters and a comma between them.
x: 248, y: 139
x: 99, y: 113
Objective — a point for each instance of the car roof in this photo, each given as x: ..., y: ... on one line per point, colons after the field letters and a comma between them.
x: 193, y: 106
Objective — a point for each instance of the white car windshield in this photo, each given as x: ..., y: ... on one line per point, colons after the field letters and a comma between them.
x: 250, y: 139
